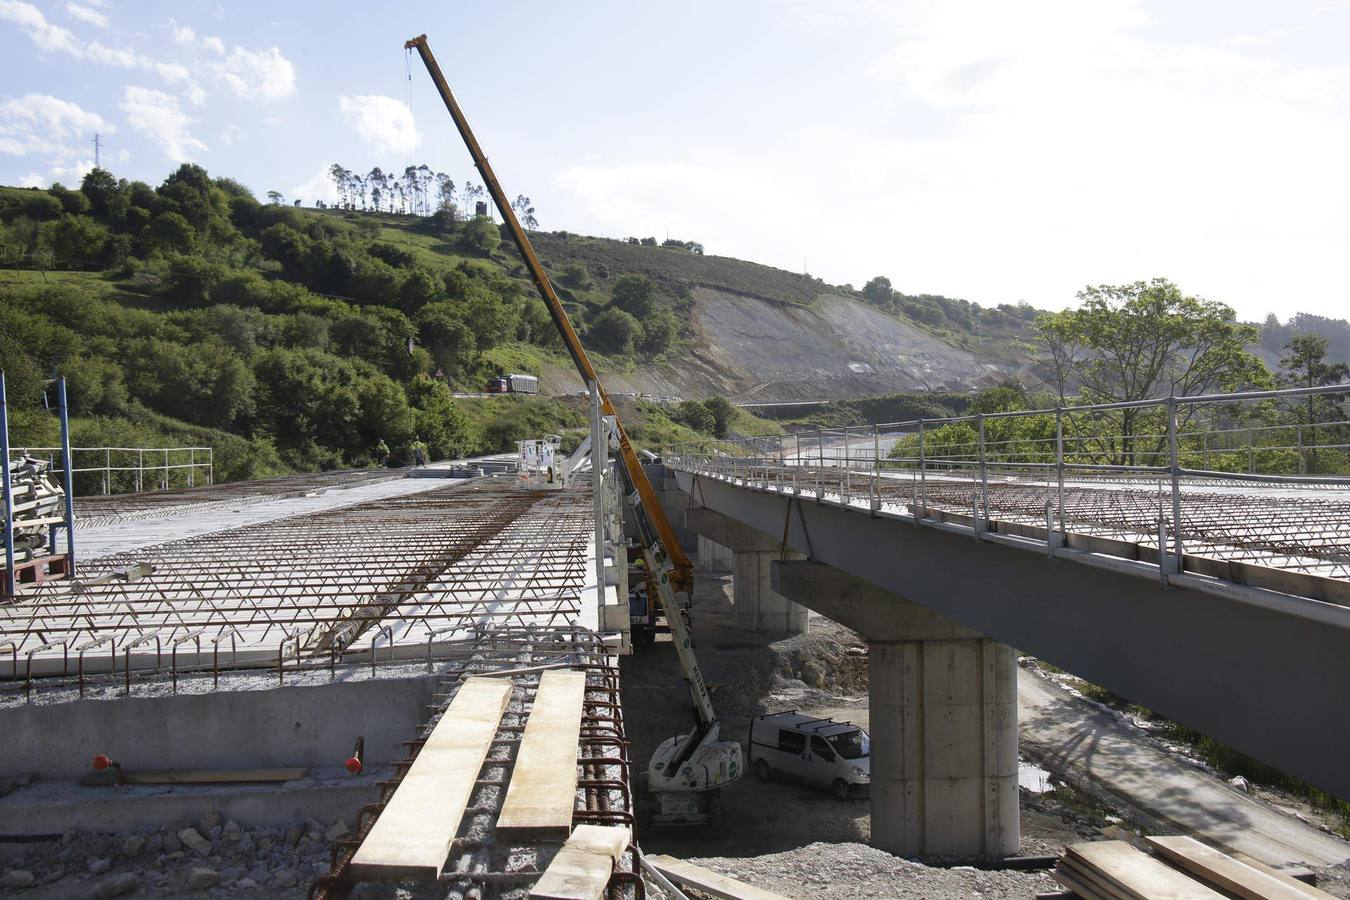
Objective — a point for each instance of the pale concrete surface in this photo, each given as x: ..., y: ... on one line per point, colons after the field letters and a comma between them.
x: 1064, y: 732
x: 944, y: 747
x: 943, y: 708
x: 262, y: 725
x: 54, y: 807
x: 126, y: 536
x: 758, y: 606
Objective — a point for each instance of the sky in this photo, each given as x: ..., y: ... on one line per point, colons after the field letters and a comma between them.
x: 995, y: 151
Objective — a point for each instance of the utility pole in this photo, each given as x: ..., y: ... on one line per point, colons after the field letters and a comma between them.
x: 97, y: 161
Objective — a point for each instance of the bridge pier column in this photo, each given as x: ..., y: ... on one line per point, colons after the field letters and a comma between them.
x: 943, y: 709
x: 758, y: 606
x: 712, y: 556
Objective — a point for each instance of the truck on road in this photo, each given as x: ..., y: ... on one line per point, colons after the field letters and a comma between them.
x: 513, y: 384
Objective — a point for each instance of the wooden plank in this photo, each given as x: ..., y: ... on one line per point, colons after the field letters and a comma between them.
x: 1136, y: 874
x: 1071, y: 879
x: 581, y: 869
x: 411, y: 838
x: 1224, y: 871
x: 708, y: 881
x: 1299, y: 878
x: 1090, y: 878
x: 542, y: 791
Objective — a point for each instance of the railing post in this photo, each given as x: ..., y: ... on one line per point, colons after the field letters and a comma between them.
x: 210, y: 465
x: 876, y: 468
x: 923, y: 475
x: 140, y: 470
x: 107, y: 470
x: 7, y: 490
x: 1175, y: 470
x: 984, y: 474
x: 845, y: 483
x: 1251, y: 454
x: 166, y: 468
x: 1059, y: 469
x: 599, y: 478
x: 192, y: 464
x: 67, y: 475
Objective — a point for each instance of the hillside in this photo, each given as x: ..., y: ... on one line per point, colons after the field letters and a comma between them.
x: 296, y: 338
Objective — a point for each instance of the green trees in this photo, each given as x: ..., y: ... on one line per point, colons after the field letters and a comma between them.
x: 634, y: 294
x: 878, y: 291
x: 614, y: 330
x: 481, y: 233
x: 712, y: 416
x: 1305, y: 365
x: 1144, y: 340
x: 658, y: 333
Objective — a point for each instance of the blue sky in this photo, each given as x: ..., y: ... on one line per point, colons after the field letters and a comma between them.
x: 976, y: 148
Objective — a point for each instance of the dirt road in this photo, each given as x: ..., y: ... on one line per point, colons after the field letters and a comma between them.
x: 1064, y: 732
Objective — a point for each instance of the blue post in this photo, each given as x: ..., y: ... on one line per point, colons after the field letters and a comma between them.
x: 8, y: 490
x: 67, y: 477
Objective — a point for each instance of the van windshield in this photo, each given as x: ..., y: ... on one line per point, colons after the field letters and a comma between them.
x: 851, y: 744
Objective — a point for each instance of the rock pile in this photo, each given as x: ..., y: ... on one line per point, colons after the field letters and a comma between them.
x: 204, y: 858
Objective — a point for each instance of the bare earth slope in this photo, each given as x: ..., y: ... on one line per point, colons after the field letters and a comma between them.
x: 748, y: 347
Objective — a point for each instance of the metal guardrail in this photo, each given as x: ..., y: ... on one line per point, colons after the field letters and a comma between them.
x: 153, y: 466
x: 1229, y: 490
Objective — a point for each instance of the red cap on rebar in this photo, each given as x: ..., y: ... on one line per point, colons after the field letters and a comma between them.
x: 354, y: 765
x: 102, y: 761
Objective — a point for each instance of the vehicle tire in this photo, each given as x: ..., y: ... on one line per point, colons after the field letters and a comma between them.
x: 762, y: 770
x: 841, y: 790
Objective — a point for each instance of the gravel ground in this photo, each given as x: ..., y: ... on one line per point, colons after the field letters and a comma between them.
x: 208, y: 858
x: 847, y: 871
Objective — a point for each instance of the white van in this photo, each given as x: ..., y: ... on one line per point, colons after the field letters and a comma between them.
x: 822, y: 752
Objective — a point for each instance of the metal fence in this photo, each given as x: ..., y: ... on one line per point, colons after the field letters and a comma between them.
x: 1197, y: 474
x: 119, y: 470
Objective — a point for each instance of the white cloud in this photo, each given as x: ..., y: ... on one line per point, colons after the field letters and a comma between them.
x: 158, y: 115
x: 87, y: 14
x: 320, y: 187
x: 1019, y: 151
x: 265, y: 74
x: 50, y: 37
x: 183, y: 34
x: 48, y: 126
x: 385, y: 124
x: 33, y: 179
x: 41, y: 32
x: 214, y: 44
x: 230, y: 133
x: 73, y: 173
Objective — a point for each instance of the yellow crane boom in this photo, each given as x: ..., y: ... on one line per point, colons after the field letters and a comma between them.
x: 681, y: 576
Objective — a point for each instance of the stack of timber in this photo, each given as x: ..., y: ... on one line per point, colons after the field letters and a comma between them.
x: 708, y: 882
x: 1183, y: 869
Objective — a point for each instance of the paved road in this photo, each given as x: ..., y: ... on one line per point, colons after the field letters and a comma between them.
x: 1064, y: 732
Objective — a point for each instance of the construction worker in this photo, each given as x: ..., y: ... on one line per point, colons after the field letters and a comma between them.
x: 381, y: 453
x: 419, y: 452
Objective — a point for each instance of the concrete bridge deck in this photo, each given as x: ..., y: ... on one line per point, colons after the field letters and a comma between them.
x: 1251, y: 653
x: 366, y: 605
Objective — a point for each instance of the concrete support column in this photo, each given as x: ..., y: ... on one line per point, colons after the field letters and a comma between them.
x: 712, y: 556
x: 943, y: 709
x: 758, y: 606
x: 944, y: 747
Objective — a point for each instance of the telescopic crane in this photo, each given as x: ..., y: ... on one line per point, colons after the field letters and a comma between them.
x: 690, y: 766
